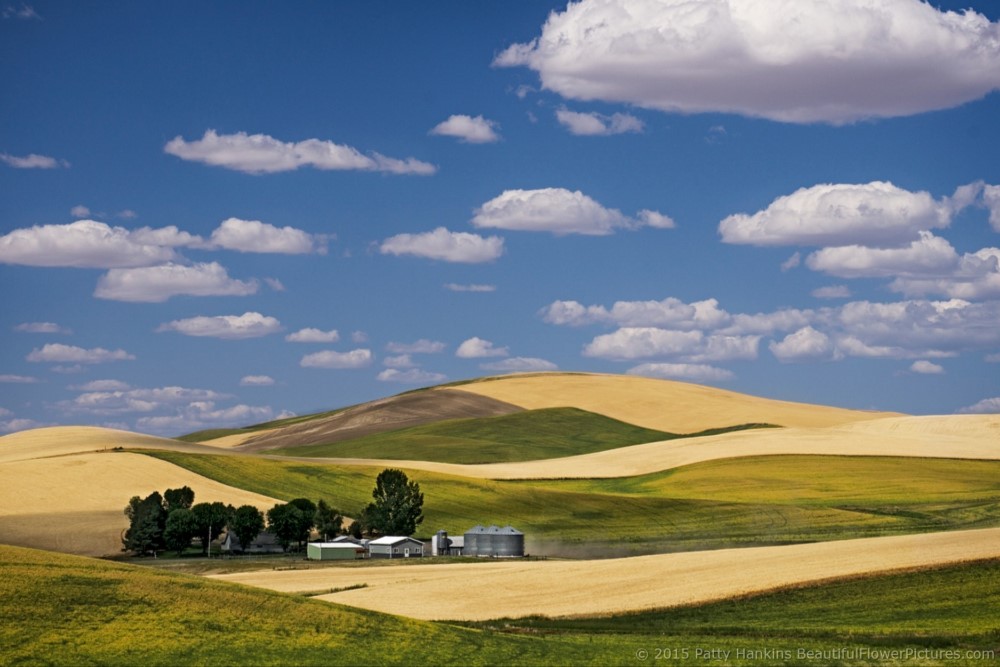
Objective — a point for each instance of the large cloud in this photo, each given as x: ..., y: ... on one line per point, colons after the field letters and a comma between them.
x: 257, y: 236
x: 81, y: 244
x: 471, y: 130
x: 976, y: 276
x: 444, y: 245
x: 155, y: 284
x: 670, y: 312
x: 871, y: 214
x: 928, y: 255
x: 796, y: 61
x: 205, y: 414
x: 260, y: 154
x: 692, y: 346
x: 231, y: 327
x: 559, y: 211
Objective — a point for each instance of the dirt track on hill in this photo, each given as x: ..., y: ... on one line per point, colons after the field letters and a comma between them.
x: 387, y: 414
x: 497, y: 589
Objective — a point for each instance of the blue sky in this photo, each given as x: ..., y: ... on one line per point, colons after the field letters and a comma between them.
x: 214, y: 214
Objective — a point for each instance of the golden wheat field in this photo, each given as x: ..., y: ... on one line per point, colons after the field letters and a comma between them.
x: 74, y: 503
x: 677, y: 407
x: 480, y: 591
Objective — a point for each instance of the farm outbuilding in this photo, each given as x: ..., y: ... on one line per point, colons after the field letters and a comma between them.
x: 494, y: 542
x: 265, y: 543
x: 396, y: 546
x: 334, y: 551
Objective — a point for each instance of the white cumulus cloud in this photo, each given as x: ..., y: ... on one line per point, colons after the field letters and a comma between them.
x: 330, y: 359
x: 444, y: 245
x: 17, y: 379
x: 806, y: 344
x: 81, y: 244
x: 422, y: 346
x: 559, y: 211
x: 927, y: 255
x: 311, y: 335
x: 32, y: 161
x: 261, y: 154
x: 669, y: 312
x: 926, y: 367
x: 595, y: 124
x: 156, y: 284
x: 257, y: 236
x: 42, y: 327
x: 470, y: 130
x: 802, y: 62
x: 399, y: 361
x: 229, y: 327
x: 256, y: 381
x: 477, y: 348
x: 985, y: 406
x: 871, y: 214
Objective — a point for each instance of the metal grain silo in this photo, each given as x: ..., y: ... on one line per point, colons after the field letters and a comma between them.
x: 508, y: 542
x: 472, y: 536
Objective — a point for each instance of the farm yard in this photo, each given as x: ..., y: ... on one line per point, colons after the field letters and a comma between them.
x: 636, y: 533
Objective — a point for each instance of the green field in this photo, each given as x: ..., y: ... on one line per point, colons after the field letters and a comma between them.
x: 523, y: 436
x: 69, y: 610
x: 737, y: 502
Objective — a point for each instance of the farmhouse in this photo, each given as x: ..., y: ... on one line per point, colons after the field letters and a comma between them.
x: 395, y: 546
x: 264, y: 543
x: 494, y: 542
x: 334, y: 551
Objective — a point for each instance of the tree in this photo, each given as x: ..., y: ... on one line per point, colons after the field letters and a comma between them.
x: 181, y: 498
x: 398, y: 505
x: 212, y: 518
x: 246, y: 524
x: 147, y: 519
x: 329, y: 522
x: 306, y: 521
x: 284, y: 520
x: 181, y: 527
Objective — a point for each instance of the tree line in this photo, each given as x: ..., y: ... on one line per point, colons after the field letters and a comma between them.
x: 171, y: 521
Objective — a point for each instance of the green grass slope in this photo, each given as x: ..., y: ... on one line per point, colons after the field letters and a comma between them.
x: 739, y: 502
x: 524, y: 436
x: 69, y: 610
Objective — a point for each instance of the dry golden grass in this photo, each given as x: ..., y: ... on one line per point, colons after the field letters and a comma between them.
x: 60, y: 440
x: 231, y: 441
x: 678, y: 407
x: 482, y: 591
x: 73, y: 503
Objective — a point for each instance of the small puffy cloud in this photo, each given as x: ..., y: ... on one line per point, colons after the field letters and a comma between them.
x: 229, y: 327
x: 310, y: 335
x: 520, y: 365
x: 477, y: 348
x: 871, y: 214
x: 832, y: 292
x: 82, y: 244
x: 200, y: 415
x: 698, y: 372
x: 792, y: 262
x: 18, y: 379
x: 12, y: 425
x: 263, y: 154
x: 806, y: 344
x: 275, y: 284
x: 654, y: 219
x: 359, y: 337
x: 260, y: 237
x: 156, y: 284
x: 256, y: 381
x: 470, y: 130
x: 927, y: 255
x: 410, y: 376
x: 422, y: 346
x: 22, y: 13
x: 399, y: 361
x: 444, y: 245
x: 558, y: 211
x: 330, y: 359
x: 985, y: 406
x: 80, y: 211
x: 926, y: 367
x: 62, y: 354
x: 455, y: 287
x: 42, y: 327
x: 32, y: 161
x: 127, y: 214
x: 799, y: 62
x: 596, y: 124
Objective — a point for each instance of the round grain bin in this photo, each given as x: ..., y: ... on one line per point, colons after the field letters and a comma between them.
x: 508, y: 542
x: 472, y: 536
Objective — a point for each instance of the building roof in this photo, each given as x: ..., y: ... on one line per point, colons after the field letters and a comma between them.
x: 389, y: 540
x: 493, y: 530
x: 337, y: 545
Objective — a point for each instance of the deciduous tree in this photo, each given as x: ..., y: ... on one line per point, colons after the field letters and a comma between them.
x: 180, y: 529
x: 246, y: 524
x: 398, y: 505
x: 328, y: 520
